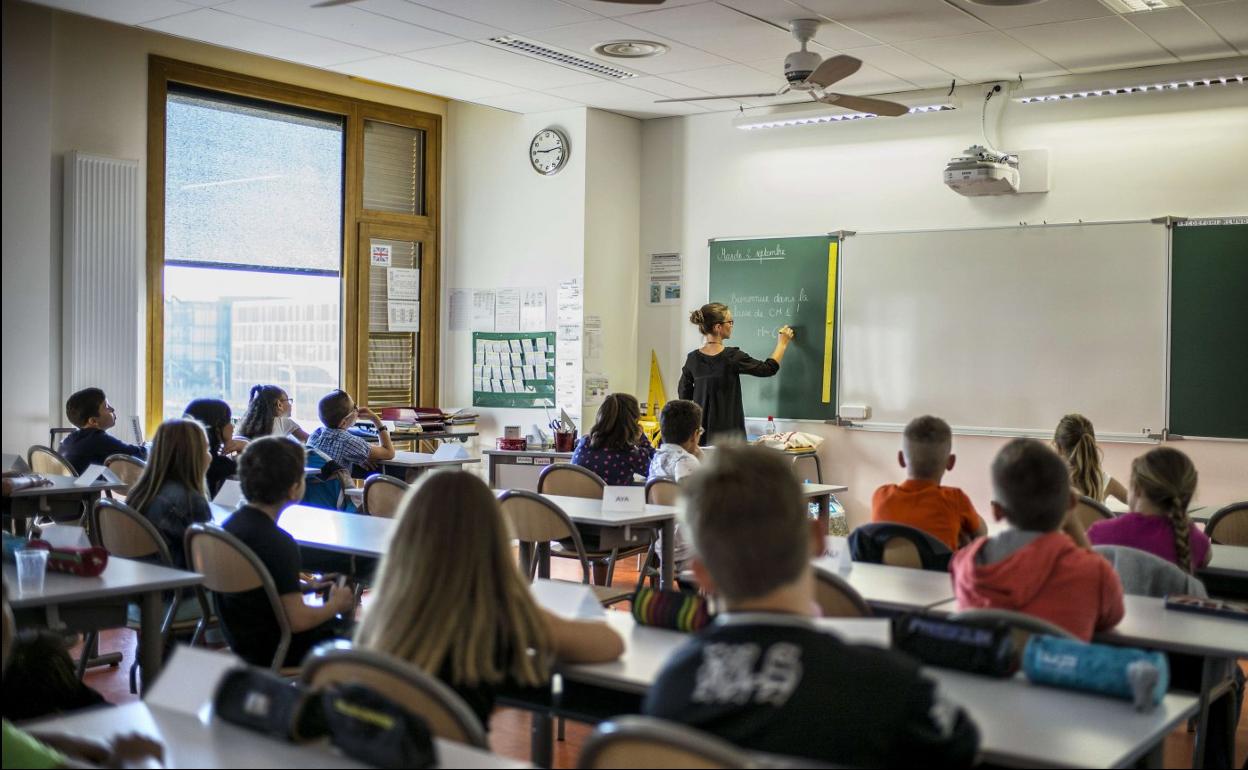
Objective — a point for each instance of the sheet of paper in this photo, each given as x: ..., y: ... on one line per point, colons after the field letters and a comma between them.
x: 568, y: 600
x: 65, y: 536
x: 571, y: 302
x: 665, y: 266
x: 461, y: 311
x: 671, y: 293
x: 533, y: 310
x: 482, y: 310
x: 188, y: 683
x: 593, y: 337
x: 230, y: 494
x: 507, y: 310
x: 403, y: 283
x: 596, y: 387
x: 402, y: 316
x: 380, y: 253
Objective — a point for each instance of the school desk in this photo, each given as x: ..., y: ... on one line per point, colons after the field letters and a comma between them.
x: 1229, y: 561
x: 415, y: 463
x: 519, y: 469
x: 122, y: 580
x: 354, y: 534
x: 190, y: 742
x: 896, y: 589
x: 38, y: 501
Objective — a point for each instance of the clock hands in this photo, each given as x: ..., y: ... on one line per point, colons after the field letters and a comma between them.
x: 552, y: 149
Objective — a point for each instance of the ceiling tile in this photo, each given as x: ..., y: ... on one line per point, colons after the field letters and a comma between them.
x: 122, y: 11
x: 623, y: 9
x: 982, y: 56
x: 527, y: 101
x: 781, y: 12
x: 507, y: 67
x: 896, y: 62
x: 581, y: 39
x: 1230, y: 20
x: 671, y: 90
x: 212, y: 26
x: 1047, y: 12
x: 345, y: 23
x: 729, y: 79
x: 427, y: 17
x: 1182, y: 33
x: 720, y: 30
x: 427, y: 78
x: 892, y: 21
x: 623, y: 99
x: 1093, y: 44
x: 513, y: 15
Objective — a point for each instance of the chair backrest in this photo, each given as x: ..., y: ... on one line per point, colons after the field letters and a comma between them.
x: 898, y: 545
x: 901, y: 552
x: 230, y: 567
x: 645, y: 742
x: 1089, y: 511
x: 382, y: 495
x: 662, y: 492
x: 535, y: 519
x: 837, y: 598
x: 126, y: 533
x: 1229, y: 526
x: 48, y: 462
x: 446, y: 713
x: 1144, y: 574
x: 1022, y: 626
x: 126, y: 468
x: 570, y: 481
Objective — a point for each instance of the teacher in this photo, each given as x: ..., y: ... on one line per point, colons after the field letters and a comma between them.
x: 712, y: 373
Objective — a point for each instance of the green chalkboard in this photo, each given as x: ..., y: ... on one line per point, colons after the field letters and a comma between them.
x: 770, y: 282
x: 1209, y: 330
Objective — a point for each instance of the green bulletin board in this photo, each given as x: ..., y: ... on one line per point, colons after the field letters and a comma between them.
x: 513, y: 369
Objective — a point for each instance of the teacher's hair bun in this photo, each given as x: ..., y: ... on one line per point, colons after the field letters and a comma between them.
x: 696, y: 317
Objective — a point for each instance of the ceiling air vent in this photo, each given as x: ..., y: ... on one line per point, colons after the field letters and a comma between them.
x: 562, y: 58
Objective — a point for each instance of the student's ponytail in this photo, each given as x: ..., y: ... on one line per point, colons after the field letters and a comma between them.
x: 1167, y: 478
x: 261, y: 411
x: 1076, y: 441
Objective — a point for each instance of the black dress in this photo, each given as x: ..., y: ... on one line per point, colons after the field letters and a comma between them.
x: 714, y: 382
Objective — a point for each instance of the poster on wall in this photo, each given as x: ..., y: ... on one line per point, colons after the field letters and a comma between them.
x: 570, y: 307
x: 507, y: 310
x: 665, y: 279
x: 533, y: 310
x: 402, y: 316
x: 513, y: 369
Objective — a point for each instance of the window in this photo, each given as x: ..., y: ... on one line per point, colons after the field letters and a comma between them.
x: 265, y: 203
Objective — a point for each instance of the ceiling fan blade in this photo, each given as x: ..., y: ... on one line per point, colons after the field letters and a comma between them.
x: 728, y: 96
x: 332, y: 3
x: 865, y: 104
x: 634, y: 2
x: 833, y: 69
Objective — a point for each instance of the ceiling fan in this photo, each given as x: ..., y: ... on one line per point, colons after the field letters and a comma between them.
x: 806, y: 71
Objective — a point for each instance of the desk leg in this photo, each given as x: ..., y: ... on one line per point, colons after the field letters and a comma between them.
x: 543, y: 560
x: 667, y: 576
x: 541, y: 747
x: 151, y: 640
x: 825, y: 513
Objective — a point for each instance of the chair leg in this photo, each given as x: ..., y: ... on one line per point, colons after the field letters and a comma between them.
x: 560, y: 731
x: 611, y: 565
x: 89, y: 644
x: 601, y: 573
x: 134, y: 679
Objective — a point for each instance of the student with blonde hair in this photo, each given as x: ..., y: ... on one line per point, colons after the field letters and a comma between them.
x: 450, y: 599
x: 170, y: 493
x: 1075, y: 441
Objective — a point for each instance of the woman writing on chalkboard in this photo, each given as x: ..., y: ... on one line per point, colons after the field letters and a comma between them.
x: 712, y: 373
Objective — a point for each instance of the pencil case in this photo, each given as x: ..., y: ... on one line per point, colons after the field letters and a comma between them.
x: 83, y: 562
x: 676, y: 610
x: 1122, y: 672
x: 986, y: 649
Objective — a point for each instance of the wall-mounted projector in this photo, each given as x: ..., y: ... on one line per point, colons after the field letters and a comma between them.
x: 980, y: 171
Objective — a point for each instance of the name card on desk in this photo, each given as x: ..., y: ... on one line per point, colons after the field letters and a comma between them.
x: 95, y: 473
x: 450, y: 450
x: 838, y: 554
x: 624, y: 499
x: 230, y: 494
x: 189, y: 681
x: 64, y: 536
x: 575, y: 601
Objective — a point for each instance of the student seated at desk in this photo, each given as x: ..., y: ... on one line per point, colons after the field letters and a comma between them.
x: 338, y: 413
x: 450, y: 599
x: 170, y: 492
x: 762, y: 675
x: 1163, y: 481
x: 1035, y: 567
x: 92, y: 415
x: 268, y: 414
x: 1075, y: 440
x: 615, y: 448
x: 680, y: 424
x: 945, y: 513
x: 217, y: 419
x: 271, y: 475
x: 49, y: 750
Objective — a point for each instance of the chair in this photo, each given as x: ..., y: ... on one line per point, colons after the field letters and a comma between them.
x: 1022, y: 625
x: 898, y: 545
x: 48, y: 462
x: 448, y: 716
x: 536, y: 521
x: 230, y: 567
x: 659, y: 491
x: 1089, y: 511
x: 574, y: 481
x: 126, y: 468
x: 837, y: 598
x: 1229, y: 526
x: 645, y: 742
x: 1144, y: 574
x: 382, y: 495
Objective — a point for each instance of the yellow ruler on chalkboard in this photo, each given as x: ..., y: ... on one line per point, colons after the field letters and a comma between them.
x: 829, y: 327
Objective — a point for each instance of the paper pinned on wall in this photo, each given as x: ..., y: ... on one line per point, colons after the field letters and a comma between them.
x: 482, y: 310
x: 507, y: 310
x: 402, y: 316
x: 380, y: 253
x: 461, y: 310
x: 665, y: 266
x: 533, y: 310
x: 403, y: 283
x: 593, y: 337
x: 596, y: 388
x: 571, y: 302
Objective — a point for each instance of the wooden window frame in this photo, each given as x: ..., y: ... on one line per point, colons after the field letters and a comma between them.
x: 355, y: 258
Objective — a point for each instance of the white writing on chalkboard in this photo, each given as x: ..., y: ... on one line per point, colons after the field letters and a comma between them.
x: 764, y: 306
x: 762, y: 254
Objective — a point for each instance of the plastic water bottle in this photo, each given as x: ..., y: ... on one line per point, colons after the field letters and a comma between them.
x: 771, y: 426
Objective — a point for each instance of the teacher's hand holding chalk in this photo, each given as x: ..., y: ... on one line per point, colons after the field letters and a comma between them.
x: 786, y: 334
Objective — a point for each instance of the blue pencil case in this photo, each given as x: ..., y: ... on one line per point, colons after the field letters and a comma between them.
x: 1121, y: 672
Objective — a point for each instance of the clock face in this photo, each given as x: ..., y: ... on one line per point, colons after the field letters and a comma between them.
x: 548, y: 151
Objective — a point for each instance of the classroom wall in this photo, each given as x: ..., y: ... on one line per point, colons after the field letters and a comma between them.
x: 77, y: 83
x: 1113, y: 158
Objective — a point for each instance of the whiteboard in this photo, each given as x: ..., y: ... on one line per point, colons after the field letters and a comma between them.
x: 1007, y: 329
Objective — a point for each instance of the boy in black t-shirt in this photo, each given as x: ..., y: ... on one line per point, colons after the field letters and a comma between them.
x: 762, y: 675
x: 270, y: 472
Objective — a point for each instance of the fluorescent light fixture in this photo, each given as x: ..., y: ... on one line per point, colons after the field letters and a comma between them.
x: 1167, y: 77
x: 1176, y: 85
x: 807, y: 118
x: 1135, y: 6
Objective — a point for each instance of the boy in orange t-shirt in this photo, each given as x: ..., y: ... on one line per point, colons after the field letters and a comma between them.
x: 945, y: 513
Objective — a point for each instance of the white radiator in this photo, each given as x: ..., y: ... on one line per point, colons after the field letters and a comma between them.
x: 102, y: 338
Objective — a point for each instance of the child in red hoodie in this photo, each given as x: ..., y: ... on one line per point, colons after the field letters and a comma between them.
x: 1041, y: 565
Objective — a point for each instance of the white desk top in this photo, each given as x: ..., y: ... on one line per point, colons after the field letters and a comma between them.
x: 895, y: 588
x: 587, y: 510
x: 191, y: 743
x: 424, y: 460
x: 64, y: 486
x: 1149, y: 624
x: 1229, y: 560
x: 818, y: 490
x: 122, y: 577
x: 1024, y: 723
x: 351, y: 533
x: 528, y: 452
